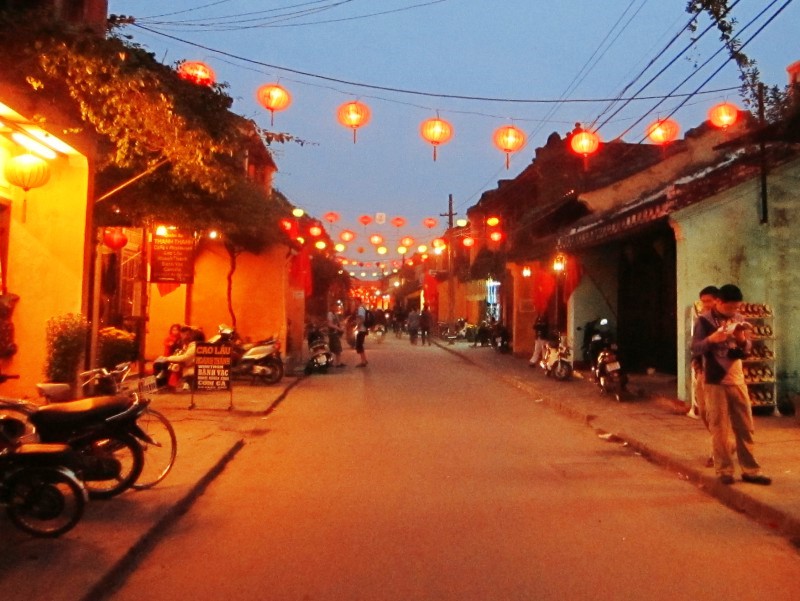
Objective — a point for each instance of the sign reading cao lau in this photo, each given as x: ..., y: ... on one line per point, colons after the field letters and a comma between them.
x: 213, y: 366
x: 173, y: 259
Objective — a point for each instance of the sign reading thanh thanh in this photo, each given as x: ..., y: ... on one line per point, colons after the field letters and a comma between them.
x: 172, y: 258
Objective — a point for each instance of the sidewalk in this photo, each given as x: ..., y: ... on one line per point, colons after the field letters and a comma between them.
x: 87, y: 560
x: 654, y: 425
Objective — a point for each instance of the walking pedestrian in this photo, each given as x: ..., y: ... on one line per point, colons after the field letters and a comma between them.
x: 722, y: 337
x: 335, y: 331
x: 361, y: 332
x: 413, y: 325
x: 425, y: 326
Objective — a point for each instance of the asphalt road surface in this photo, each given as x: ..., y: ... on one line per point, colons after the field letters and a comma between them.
x: 418, y: 478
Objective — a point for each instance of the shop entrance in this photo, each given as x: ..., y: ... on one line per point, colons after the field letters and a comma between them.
x: 647, y: 301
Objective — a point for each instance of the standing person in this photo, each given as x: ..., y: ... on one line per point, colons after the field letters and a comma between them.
x: 361, y: 332
x: 413, y: 325
x: 708, y: 300
x: 540, y: 340
x: 335, y: 331
x: 722, y: 337
x: 425, y: 326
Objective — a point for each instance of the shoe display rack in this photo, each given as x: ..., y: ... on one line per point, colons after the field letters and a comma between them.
x: 759, y: 368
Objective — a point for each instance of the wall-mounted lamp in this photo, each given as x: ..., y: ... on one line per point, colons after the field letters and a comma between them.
x: 560, y: 263
x: 526, y: 272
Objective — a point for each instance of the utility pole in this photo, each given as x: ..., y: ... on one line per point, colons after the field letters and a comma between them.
x: 451, y: 290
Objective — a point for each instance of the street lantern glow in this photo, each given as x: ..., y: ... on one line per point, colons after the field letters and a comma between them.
x: 492, y: 221
x: 436, y: 131
x: 560, y: 263
x: 273, y: 98
x: 298, y: 212
x: 496, y: 236
x: 382, y: 250
x: 723, y: 115
x: 468, y: 241
x: 663, y: 131
x: 347, y: 236
x: 339, y: 247
x: 509, y: 139
x: 315, y: 230
x: 402, y: 250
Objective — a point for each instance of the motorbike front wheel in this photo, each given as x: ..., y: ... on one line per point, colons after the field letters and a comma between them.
x: 562, y: 370
x: 121, y: 448
x: 45, y: 501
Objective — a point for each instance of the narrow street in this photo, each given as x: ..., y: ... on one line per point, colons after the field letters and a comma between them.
x: 420, y: 478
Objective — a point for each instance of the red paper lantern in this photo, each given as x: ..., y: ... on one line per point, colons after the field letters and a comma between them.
x: 354, y: 115
x: 398, y: 222
x: 438, y: 243
x: 315, y: 230
x: 286, y: 224
x: 331, y: 217
x: 723, y: 115
x: 273, y: 98
x: 436, y: 131
x: 365, y: 220
x: 347, y: 236
x: 509, y: 139
x: 407, y: 241
x: 496, y: 236
x: 376, y: 239
x: 585, y: 143
x: 114, y: 238
x: 197, y: 72
x: 663, y: 131
x: 429, y: 222
x: 468, y: 241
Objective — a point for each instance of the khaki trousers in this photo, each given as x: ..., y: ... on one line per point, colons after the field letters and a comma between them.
x: 728, y: 412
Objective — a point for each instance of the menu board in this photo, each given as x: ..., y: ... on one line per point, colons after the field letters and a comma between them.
x: 172, y: 258
x: 212, y: 366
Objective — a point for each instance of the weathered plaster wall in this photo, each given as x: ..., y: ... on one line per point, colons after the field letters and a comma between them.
x: 721, y: 241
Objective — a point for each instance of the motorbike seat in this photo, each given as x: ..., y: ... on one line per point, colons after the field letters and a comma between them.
x: 38, y: 448
x: 81, y: 411
x: 55, y: 391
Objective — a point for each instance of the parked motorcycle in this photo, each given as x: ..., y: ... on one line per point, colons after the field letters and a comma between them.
x: 103, y: 430
x: 321, y: 356
x: 606, y: 368
x: 556, y: 359
x: 261, y: 361
x: 41, y: 495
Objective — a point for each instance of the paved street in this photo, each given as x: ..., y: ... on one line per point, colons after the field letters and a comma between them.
x: 422, y: 477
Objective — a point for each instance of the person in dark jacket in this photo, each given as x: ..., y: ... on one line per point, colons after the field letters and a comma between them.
x: 721, y: 336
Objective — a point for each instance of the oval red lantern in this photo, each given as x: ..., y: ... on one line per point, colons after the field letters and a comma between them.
x: 509, y: 139
x: 407, y: 241
x: 347, y: 236
x: 365, y: 220
x: 663, y: 131
x: 438, y: 243
x: 398, y: 222
x: 496, y: 236
x: 354, y: 115
x: 26, y: 171
x: 723, y: 115
x: 436, y: 131
x: 429, y: 222
x: 585, y: 143
x: 315, y: 230
x: 286, y: 225
x: 331, y: 217
x: 273, y: 98
x: 468, y: 241
x: 197, y: 72
x: 114, y: 238
x: 376, y: 239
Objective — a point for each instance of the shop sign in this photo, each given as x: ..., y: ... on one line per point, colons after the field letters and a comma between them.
x: 213, y: 366
x: 172, y: 259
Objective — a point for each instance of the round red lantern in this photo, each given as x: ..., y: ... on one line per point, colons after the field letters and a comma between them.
x: 331, y: 217
x: 197, y: 72
x: 509, y: 139
x: 585, y: 143
x: 468, y: 241
x: 723, y: 115
x: 496, y: 236
x: 354, y: 115
x: 663, y: 131
x: 26, y: 171
x: 398, y: 222
x: 436, y: 131
x: 114, y: 238
x: 407, y: 241
x: 347, y: 236
x: 273, y: 98
x: 429, y: 222
x: 315, y: 230
x: 286, y: 225
x: 376, y: 239
x: 365, y: 220
x: 438, y: 243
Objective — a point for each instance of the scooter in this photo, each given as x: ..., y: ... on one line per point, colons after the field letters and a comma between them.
x: 555, y: 361
x: 321, y: 356
x: 260, y: 361
x: 607, y: 370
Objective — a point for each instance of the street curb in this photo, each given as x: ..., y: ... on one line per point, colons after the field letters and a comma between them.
x: 774, y: 519
x: 115, y: 576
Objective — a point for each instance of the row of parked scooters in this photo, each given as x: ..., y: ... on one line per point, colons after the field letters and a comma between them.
x: 56, y: 455
x: 600, y: 350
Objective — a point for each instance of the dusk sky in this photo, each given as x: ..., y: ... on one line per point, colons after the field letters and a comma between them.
x: 417, y: 56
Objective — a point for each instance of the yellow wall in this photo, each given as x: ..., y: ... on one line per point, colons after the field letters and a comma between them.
x: 259, y: 293
x: 46, y: 259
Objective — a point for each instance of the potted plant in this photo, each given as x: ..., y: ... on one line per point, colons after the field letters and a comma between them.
x: 66, y: 344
